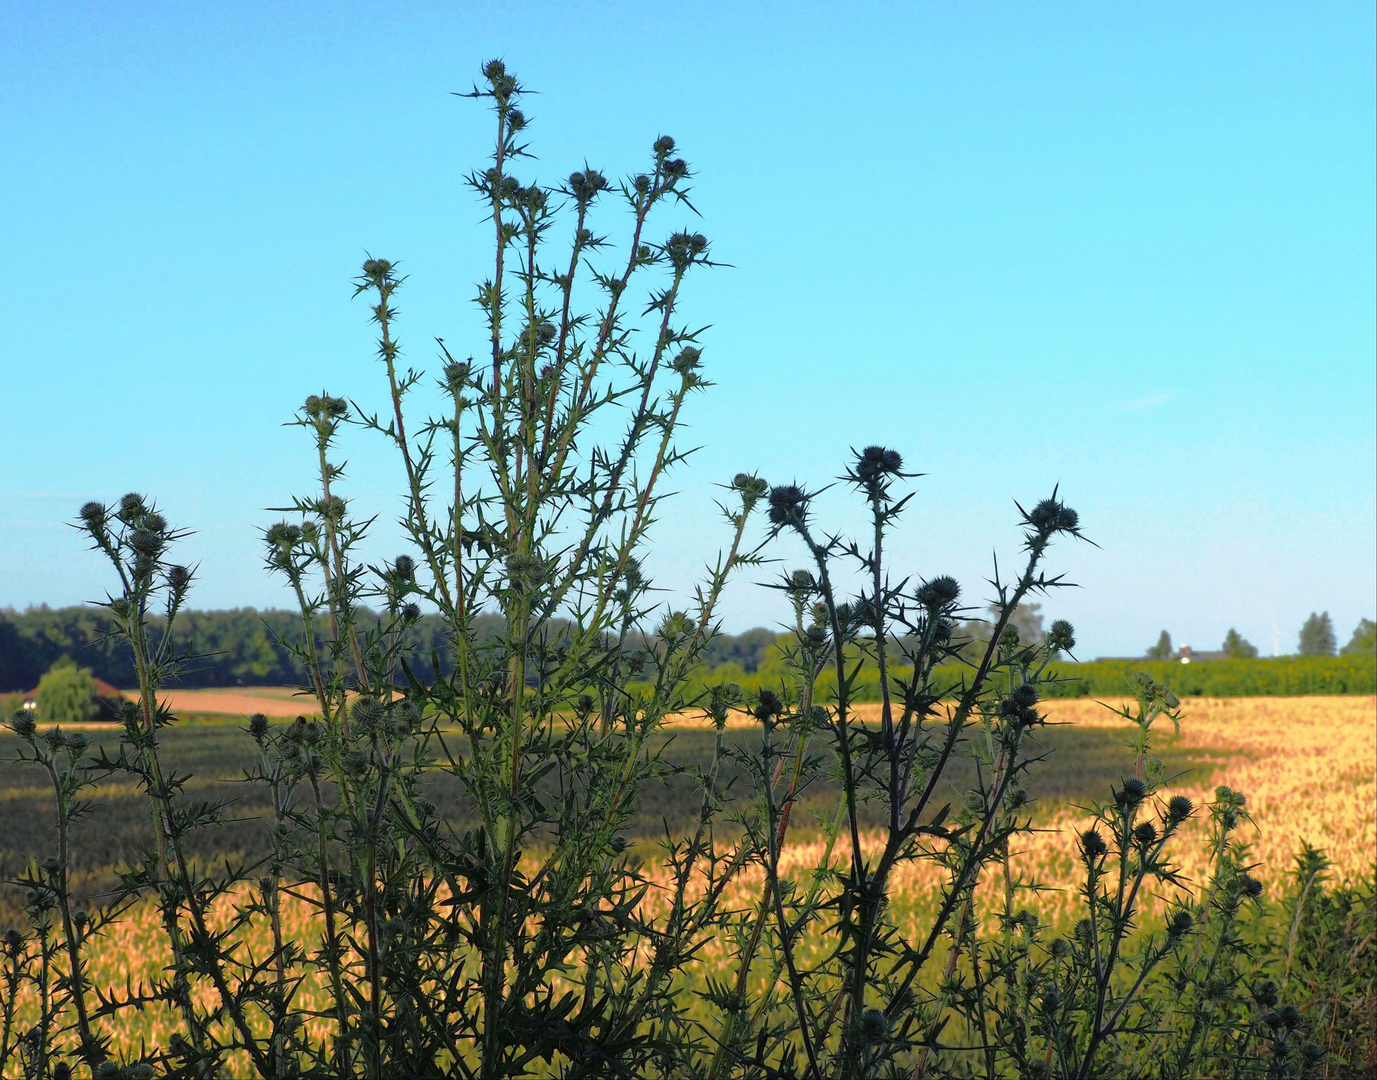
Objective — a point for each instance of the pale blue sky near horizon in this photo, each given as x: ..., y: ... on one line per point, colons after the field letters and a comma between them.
x: 1124, y: 248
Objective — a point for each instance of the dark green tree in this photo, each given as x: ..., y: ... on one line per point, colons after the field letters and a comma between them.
x: 1237, y: 647
x: 66, y: 694
x: 1162, y: 650
x: 1317, y: 636
x: 1364, y: 640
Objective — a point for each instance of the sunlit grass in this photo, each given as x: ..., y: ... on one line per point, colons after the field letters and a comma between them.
x: 1307, y: 766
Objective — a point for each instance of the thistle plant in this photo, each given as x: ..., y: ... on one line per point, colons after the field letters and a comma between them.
x: 528, y: 936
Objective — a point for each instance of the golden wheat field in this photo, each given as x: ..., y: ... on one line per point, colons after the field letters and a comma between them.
x: 1307, y: 766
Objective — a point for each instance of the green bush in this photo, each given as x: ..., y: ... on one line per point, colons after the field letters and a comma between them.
x: 67, y: 694
x: 1285, y: 676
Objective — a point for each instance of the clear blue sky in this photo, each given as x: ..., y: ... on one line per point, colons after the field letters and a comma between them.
x: 1124, y: 247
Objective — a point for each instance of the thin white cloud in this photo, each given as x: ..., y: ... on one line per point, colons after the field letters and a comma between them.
x: 1149, y: 402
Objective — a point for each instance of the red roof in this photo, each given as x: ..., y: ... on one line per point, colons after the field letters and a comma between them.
x: 103, y: 689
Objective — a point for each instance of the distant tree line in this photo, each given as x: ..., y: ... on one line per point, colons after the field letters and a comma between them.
x: 1316, y: 638
x: 242, y: 646
x: 236, y: 647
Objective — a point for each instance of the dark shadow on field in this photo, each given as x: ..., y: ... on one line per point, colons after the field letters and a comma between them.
x: 1084, y: 762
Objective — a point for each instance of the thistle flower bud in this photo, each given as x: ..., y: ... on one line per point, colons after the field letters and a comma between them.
x: 585, y: 186
x: 1025, y: 696
x: 516, y: 120
x: 93, y: 515
x: 768, y: 706
x: 51, y: 866
x: 404, y: 567
x: 1092, y: 845
x: 1290, y: 1017
x: 688, y: 360
x: 77, y: 742
x: 457, y: 374
x: 874, y: 1025
x: 525, y: 572
x: 131, y: 507
x: 752, y: 488
x: 367, y: 713
x: 1061, y: 636
x: 258, y: 726
x: 938, y: 593
x: 788, y: 505
x: 1051, y: 516
x: 22, y: 724
x: 377, y: 270
x: 331, y: 509
x: 1060, y: 949
x: 1131, y: 793
x: 1252, y: 888
x: 664, y: 145
x: 1179, y: 808
x: 642, y: 185
x: 80, y: 918
x: 411, y: 612
x: 283, y: 535
x: 145, y: 543
x: 876, y: 461
x: 583, y: 704
x: 63, y: 1071
x: 1180, y: 924
x: 675, y: 168
x: 1145, y: 834
x: 13, y: 942
x: 178, y: 579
